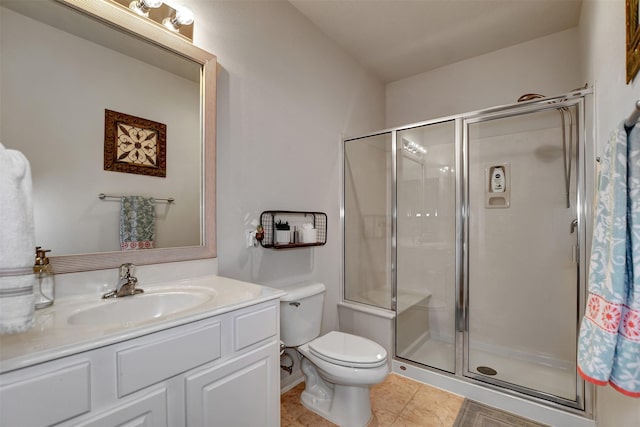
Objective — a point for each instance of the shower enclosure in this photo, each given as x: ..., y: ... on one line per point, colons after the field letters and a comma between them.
x: 472, y: 229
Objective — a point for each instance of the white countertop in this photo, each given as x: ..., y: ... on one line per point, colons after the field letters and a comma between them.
x: 52, y: 336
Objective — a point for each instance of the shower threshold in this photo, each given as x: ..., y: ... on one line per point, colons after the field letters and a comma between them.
x: 551, y: 414
x: 546, y: 377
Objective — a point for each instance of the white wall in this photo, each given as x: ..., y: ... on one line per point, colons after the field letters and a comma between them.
x: 55, y: 88
x: 602, y: 32
x: 549, y: 65
x: 286, y: 96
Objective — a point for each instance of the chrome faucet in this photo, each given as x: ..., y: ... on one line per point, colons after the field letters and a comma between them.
x: 126, y: 285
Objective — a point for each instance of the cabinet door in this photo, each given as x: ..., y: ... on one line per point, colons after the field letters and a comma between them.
x: 241, y: 392
x: 149, y: 410
x: 46, y: 394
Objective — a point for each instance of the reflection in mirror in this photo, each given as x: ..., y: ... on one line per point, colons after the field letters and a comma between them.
x: 61, y: 70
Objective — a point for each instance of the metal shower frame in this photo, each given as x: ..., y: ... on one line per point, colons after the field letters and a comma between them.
x: 585, y: 178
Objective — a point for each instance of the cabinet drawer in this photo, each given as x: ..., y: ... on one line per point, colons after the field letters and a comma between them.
x: 54, y: 395
x: 149, y: 410
x: 146, y: 364
x: 250, y: 328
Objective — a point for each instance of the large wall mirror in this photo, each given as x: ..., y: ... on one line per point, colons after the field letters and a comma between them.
x: 64, y: 63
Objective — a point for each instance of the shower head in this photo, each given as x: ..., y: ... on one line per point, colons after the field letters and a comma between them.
x: 545, y: 153
x: 530, y: 96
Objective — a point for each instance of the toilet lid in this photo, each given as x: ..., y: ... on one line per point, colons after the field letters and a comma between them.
x: 348, y: 350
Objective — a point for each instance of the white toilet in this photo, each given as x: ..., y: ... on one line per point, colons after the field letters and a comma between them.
x: 338, y: 368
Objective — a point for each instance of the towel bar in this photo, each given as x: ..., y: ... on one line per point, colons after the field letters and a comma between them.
x: 103, y: 196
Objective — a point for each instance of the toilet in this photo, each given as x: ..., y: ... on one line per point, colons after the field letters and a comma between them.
x: 338, y: 368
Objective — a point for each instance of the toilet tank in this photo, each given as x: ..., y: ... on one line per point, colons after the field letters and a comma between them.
x: 301, y: 313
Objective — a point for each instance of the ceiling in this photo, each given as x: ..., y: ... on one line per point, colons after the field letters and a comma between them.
x: 400, y: 38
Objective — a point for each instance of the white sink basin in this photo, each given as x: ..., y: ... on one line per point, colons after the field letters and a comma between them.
x: 138, y: 308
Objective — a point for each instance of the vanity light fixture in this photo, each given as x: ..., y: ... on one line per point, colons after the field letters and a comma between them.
x: 181, y: 16
x: 175, y: 18
x: 142, y: 7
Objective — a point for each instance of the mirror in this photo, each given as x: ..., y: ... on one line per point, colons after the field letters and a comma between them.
x: 104, y: 57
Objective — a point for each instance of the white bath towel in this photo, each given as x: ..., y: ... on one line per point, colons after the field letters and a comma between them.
x: 17, y: 242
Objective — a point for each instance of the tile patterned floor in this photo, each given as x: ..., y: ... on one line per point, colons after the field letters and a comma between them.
x: 397, y: 402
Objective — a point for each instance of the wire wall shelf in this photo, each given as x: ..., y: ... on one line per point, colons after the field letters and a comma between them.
x: 296, y: 221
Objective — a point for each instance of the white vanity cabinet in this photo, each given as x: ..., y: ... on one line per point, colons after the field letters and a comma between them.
x: 218, y: 371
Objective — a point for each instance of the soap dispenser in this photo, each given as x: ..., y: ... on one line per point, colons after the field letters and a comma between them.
x: 497, y: 180
x: 44, y: 288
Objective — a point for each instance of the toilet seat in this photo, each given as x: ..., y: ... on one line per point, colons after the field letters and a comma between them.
x: 348, y: 350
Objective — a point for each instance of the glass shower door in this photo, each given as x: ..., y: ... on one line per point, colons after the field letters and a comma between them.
x: 426, y: 245
x: 523, y: 252
x: 367, y: 220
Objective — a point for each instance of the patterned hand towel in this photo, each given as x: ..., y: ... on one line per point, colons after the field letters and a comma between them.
x: 609, y: 341
x: 17, y: 242
x: 137, y: 223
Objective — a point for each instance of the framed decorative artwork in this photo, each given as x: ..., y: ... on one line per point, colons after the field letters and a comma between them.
x: 633, y: 39
x: 134, y: 145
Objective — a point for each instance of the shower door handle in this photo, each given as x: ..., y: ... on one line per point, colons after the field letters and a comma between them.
x: 574, y: 248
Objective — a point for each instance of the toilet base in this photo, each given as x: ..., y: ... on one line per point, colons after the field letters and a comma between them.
x: 346, y: 406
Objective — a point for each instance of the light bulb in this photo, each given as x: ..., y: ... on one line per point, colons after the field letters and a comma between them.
x: 183, y: 16
x: 142, y: 7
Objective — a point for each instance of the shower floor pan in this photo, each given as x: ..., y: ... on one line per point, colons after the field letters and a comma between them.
x: 555, y: 380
